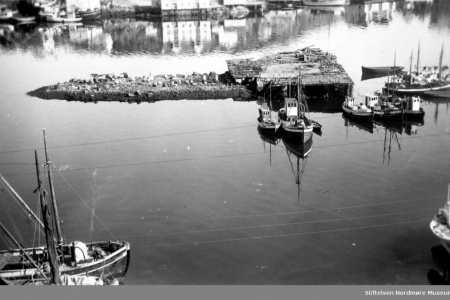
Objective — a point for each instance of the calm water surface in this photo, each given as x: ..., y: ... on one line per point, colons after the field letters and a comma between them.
x: 192, y: 185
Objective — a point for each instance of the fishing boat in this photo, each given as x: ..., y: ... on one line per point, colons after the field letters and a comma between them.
x: 294, y: 122
x: 106, y: 259
x: 440, y: 225
x: 18, y: 18
x: 265, y: 120
x: 62, y: 17
x: 419, y: 82
x: 411, y: 107
x: 383, y: 107
x: 323, y: 2
x: 357, y: 111
x: 89, y: 15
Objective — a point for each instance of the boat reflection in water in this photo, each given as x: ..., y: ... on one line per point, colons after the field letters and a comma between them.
x: 392, y: 130
x: 270, y: 137
x: 361, y: 124
x: 298, y: 153
x: 441, y: 274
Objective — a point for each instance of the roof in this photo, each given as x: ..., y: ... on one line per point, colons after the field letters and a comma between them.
x: 311, y: 65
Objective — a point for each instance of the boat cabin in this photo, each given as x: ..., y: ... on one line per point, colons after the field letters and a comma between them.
x: 291, y: 107
x: 371, y: 100
x: 264, y: 111
x: 349, y: 101
x: 413, y: 103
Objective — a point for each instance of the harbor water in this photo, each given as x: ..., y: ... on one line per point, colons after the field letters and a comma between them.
x: 191, y: 184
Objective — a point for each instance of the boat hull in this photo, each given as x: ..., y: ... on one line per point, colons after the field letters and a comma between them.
x: 361, y: 115
x: 442, y: 232
x: 90, y: 15
x: 390, y: 70
x: 298, y: 134
x: 56, y: 19
x: 323, y: 2
x: 422, y: 89
x: 113, y: 266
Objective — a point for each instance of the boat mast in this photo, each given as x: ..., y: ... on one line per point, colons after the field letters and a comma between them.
x: 410, y: 67
x: 52, y: 193
x: 51, y: 247
x: 440, y: 61
x: 418, y: 58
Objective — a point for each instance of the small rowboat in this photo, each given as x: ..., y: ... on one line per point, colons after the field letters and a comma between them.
x: 390, y: 70
x: 62, y: 19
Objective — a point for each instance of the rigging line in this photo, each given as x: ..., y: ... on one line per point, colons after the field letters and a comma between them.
x: 276, y: 225
x: 282, y: 235
x: 130, y: 139
x: 16, y: 197
x: 286, y: 213
x: 78, y: 195
x: 228, y: 155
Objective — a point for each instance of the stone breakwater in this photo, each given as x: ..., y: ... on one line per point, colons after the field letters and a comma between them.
x: 123, y: 88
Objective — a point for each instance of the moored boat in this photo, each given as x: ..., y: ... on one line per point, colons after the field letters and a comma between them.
x: 440, y: 225
x: 386, y: 71
x: 411, y: 107
x: 106, y: 259
x: 293, y: 117
x: 323, y: 2
x: 357, y: 111
x: 90, y: 15
x: 384, y: 107
x: 63, y: 18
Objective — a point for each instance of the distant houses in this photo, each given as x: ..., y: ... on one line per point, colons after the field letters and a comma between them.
x: 176, y: 7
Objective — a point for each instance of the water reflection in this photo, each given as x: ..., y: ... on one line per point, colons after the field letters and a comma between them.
x: 365, y: 125
x: 392, y: 130
x: 297, y: 153
x: 217, y: 34
x: 270, y: 138
x: 441, y: 259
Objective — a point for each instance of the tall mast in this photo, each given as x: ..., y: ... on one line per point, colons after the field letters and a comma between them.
x: 418, y: 58
x: 51, y: 247
x: 52, y: 193
x: 410, y: 68
x: 440, y: 61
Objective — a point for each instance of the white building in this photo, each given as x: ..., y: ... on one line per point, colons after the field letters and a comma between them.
x: 184, y: 4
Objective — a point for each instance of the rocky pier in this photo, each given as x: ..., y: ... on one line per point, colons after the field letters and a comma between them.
x: 124, y: 88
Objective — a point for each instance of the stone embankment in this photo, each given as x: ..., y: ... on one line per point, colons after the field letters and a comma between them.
x: 123, y: 88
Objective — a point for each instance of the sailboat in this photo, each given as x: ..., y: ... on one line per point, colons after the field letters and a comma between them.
x: 108, y: 260
x: 294, y: 122
x: 440, y: 225
x: 422, y: 81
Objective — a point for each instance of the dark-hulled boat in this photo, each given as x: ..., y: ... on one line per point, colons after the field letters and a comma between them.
x: 106, y: 259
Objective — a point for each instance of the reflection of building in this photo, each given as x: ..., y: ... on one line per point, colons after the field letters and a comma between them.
x: 379, y: 12
x: 177, y: 36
